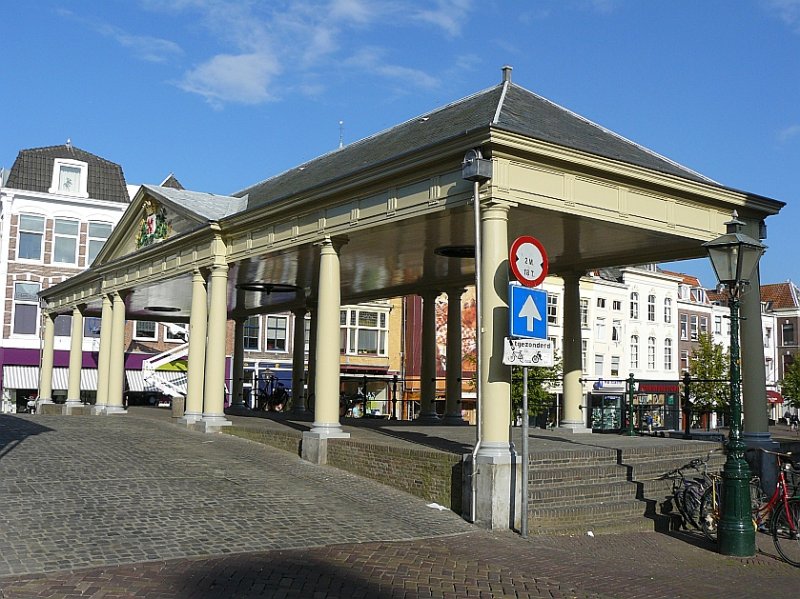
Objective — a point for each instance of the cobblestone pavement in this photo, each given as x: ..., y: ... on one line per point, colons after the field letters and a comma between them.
x: 122, y: 507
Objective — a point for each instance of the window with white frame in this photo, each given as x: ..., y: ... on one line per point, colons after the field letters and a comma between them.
x: 768, y: 337
x: 598, y: 365
x: 651, y: 308
x: 634, y: 351
x: 600, y: 329
x: 616, y: 305
x: 69, y: 177
x: 614, y: 365
x: 634, y: 305
x: 668, y: 310
x: 704, y: 325
x: 31, y: 235
x: 718, y: 325
x: 651, y: 353
x: 98, y: 233
x: 91, y: 327
x: 552, y: 308
x: 616, y: 330
x: 601, y: 302
x: 26, y: 308
x: 145, y: 329
x: 667, y: 354
x: 584, y: 354
x: 65, y: 241
x: 251, y: 333
x: 684, y: 327
x: 684, y: 360
x: 693, y: 327
x: 584, y: 312
x: 276, y: 332
x: 175, y: 332
x: 787, y: 333
x: 364, y: 332
x: 63, y: 325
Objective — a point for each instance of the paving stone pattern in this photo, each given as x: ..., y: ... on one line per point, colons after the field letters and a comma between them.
x: 123, y: 507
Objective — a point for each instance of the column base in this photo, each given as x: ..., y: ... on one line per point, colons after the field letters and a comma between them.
x: 429, y: 418
x: 109, y: 410
x: 98, y: 410
x: 314, y: 447
x: 189, y: 419
x: 212, y: 424
x: 328, y: 430
x: 496, y: 475
x: 574, y: 427
x: 762, y: 464
x: 454, y: 420
x: 71, y: 403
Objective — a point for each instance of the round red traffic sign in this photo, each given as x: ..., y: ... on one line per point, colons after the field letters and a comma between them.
x: 528, y: 260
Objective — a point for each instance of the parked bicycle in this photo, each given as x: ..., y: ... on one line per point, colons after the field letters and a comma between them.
x: 689, y: 483
x: 779, y: 515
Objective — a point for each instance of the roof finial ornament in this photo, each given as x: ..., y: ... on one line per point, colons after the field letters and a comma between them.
x: 507, y: 73
x: 69, y: 143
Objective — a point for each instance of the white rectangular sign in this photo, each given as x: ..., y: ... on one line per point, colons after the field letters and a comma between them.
x: 527, y: 352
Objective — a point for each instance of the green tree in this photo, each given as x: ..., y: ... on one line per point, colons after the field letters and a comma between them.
x: 790, y: 386
x: 540, y: 380
x: 709, y: 364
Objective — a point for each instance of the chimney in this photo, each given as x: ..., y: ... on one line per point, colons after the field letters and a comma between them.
x: 507, y: 73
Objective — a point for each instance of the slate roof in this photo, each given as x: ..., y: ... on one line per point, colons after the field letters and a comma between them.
x: 208, y: 206
x: 506, y: 107
x: 781, y: 295
x: 33, y: 171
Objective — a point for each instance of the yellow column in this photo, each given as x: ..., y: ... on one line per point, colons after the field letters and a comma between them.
x: 326, y: 406
x: 48, y: 352
x: 427, y: 383
x: 103, y: 358
x: 75, y: 359
x: 573, y: 416
x: 198, y: 325
x: 453, y: 358
x: 214, y: 391
x: 116, y: 356
x: 495, y: 376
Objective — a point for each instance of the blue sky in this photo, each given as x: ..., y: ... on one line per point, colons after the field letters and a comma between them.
x: 227, y: 93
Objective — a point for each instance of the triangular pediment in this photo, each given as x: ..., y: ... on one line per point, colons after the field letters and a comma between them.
x: 158, y: 214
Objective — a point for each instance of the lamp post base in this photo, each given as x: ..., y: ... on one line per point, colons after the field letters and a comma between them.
x: 736, y: 533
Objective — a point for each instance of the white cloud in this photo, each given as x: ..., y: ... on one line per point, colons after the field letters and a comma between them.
x: 449, y: 15
x: 788, y: 11
x: 251, y: 42
x: 151, y: 49
x: 789, y: 133
x: 244, y: 78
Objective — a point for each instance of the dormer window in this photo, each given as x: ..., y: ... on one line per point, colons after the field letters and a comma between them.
x: 69, y: 178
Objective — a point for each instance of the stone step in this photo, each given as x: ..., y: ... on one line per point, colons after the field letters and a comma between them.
x: 577, y: 474
x: 582, y: 495
x: 615, y: 516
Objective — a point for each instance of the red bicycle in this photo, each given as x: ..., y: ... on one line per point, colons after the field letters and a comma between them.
x: 780, y: 514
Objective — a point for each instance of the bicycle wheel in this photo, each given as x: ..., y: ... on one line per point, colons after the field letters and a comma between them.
x: 786, y: 532
x: 709, y: 511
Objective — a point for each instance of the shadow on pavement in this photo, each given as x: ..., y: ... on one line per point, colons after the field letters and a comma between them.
x: 15, y: 429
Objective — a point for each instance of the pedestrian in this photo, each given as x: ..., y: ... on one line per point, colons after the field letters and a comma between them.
x: 648, y: 420
x: 794, y: 420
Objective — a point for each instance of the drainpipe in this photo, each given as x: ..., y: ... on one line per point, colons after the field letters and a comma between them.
x: 477, y: 169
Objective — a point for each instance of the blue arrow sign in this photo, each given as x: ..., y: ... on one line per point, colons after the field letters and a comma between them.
x: 527, y: 310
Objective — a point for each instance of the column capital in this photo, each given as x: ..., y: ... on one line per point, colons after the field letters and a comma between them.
x: 335, y: 243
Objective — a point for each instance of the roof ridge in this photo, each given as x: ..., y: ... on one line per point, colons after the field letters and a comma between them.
x: 71, y: 148
x: 363, y: 140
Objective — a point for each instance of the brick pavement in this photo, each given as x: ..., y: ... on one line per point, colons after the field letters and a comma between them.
x: 125, y: 507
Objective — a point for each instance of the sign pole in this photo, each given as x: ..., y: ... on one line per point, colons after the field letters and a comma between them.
x: 525, y: 458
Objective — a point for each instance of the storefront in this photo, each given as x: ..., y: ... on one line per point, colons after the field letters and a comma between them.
x: 660, y: 400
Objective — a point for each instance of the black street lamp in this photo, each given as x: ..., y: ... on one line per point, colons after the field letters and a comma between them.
x: 734, y: 257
